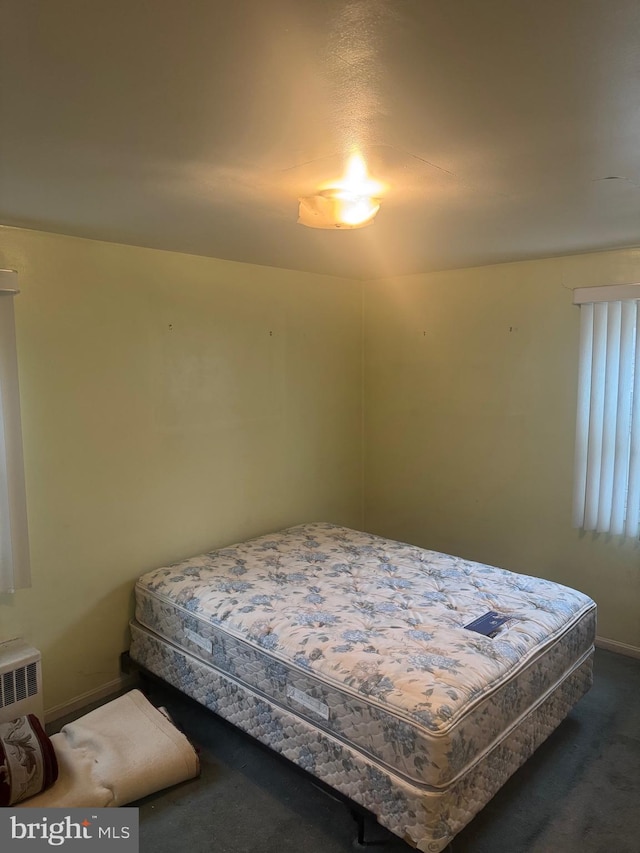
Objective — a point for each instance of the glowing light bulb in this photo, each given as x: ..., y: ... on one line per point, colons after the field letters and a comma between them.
x: 355, y: 209
x: 356, y: 179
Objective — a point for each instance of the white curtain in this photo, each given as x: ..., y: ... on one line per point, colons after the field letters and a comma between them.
x: 14, y: 543
x: 607, y: 456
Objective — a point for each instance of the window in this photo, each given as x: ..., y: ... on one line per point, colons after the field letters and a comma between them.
x: 607, y: 455
x: 14, y: 543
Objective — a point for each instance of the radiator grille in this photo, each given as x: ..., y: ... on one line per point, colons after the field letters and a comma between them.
x: 18, y: 684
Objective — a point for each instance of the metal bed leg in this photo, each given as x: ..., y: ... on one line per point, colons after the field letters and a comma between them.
x: 359, y: 819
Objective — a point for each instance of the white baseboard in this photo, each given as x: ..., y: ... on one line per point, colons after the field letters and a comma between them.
x: 619, y: 648
x: 123, y: 682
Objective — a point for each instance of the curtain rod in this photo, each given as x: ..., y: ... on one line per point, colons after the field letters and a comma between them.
x: 606, y: 293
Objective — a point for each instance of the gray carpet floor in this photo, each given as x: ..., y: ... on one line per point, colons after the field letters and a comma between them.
x: 579, y: 793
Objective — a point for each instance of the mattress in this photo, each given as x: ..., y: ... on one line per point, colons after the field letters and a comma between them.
x: 360, y: 644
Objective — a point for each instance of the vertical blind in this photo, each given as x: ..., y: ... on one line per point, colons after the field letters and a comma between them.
x: 607, y: 453
x: 14, y: 542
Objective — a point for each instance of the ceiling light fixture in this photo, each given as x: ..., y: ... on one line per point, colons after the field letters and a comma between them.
x: 351, y: 202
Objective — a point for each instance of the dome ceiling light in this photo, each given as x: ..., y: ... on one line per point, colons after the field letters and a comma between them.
x: 350, y: 202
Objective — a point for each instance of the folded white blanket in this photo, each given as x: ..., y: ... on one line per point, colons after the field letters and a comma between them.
x: 114, y: 755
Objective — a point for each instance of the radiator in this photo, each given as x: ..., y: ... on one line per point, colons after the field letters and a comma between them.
x: 20, y: 681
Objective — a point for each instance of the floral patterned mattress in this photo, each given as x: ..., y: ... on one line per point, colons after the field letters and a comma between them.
x: 364, y: 638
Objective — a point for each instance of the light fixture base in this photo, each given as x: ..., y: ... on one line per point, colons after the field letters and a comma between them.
x: 336, y: 209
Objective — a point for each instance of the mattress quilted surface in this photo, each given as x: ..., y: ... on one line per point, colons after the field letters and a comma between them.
x: 365, y: 637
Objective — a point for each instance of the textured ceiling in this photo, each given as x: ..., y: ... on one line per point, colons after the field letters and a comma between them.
x: 504, y: 129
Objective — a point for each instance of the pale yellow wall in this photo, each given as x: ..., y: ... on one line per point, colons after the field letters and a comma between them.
x: 174, y: 403
x: 470, y: 393
x: 170, y: 404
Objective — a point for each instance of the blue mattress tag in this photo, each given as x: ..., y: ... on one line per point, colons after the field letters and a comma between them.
x: 487, y: 624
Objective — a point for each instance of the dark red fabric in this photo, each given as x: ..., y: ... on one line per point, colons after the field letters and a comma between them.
x: 26, y: 755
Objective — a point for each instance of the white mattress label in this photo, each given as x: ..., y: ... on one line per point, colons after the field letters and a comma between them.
x: 205, y: 644
x: 308, y: 701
